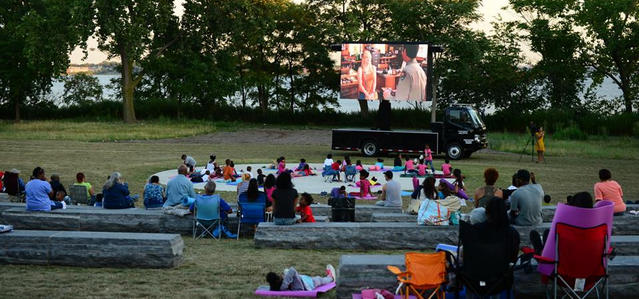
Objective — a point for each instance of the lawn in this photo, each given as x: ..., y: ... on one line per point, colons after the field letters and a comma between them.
x: 227, y: 268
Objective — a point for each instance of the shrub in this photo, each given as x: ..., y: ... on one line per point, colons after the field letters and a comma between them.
x: 571, y: 132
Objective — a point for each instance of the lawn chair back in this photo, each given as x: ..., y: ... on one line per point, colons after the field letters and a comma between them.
x: 207, y: 207
x: 11, y: 184
x: 487, y: 255
x: 426, y: 269
x: 577, y: 217
x: 243, y: 198
x: 78, y: 194
x: 581, y: 253
x: 252, y: 212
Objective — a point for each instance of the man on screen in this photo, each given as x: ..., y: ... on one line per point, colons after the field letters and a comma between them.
x: 412, y: 84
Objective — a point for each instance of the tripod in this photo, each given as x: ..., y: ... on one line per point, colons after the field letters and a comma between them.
x: 530, y: 141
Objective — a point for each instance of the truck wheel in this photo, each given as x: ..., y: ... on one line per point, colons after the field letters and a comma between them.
x: 369, y: 148
x: 454, y: 151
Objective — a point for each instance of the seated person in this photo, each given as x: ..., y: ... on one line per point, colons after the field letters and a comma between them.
x: 38, y: 193
x: 285, y: 199
x: 409, y: 167
x: 210, y: 166
x: 358, y: 165
x: 608, y: 189
x: 547, y: 200
x: 497, y: 220
x: 6, y: 177
x: 281, y: 166
x: 225, y: 209
x: 153, y: 193
x: 525, y: 202
x: 200, y: 177
x: 189, y: 162
x: 483, y: 194
x: 253, y: 193
x: 338, y: 192
x: 302, y: 164
x: 228, y: 171
x: 397, y: 163
x: 421, y: 169
x: 391, y: 192
x: 116, y: 194
x: 260, y: 177
x: 179, y: 188
x: 364, y: 185
x: 306, y: 171
x: 293, y: 281
x: 379, y: 165
x: 336, y: 167
x: 446, y: 168
x: 56, y: 185
x: 350, y: 171
x: 304, y: 208
x: 329, y: 160
x: 81, y: 180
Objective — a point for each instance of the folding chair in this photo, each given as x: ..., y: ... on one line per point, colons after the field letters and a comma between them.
x: 575, y: 256
x: 206, y: 215
x: 424, y: 272
x: 78, y: 194
x: 350, y: 173
x: 249, y: 213
x: 489, y: 259
x: 329, y: 174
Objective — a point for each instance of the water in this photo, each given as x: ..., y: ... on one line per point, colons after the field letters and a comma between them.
x: 607, y: 90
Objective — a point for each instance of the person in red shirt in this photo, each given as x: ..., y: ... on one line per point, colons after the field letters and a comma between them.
x: 337, y: 166
x: 304, y: 208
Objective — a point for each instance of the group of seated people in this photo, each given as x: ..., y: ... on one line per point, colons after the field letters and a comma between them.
x: 524, y: 198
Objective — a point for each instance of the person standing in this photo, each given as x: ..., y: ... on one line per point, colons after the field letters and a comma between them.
x: 539, y: 145
x: 367, y: 78
x: 38, y: 193
x: 391, y: 192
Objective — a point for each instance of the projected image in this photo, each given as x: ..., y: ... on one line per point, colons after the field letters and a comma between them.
x: 388, y: 71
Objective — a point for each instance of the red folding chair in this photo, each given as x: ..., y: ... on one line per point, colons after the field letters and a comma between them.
x: 581, y: 263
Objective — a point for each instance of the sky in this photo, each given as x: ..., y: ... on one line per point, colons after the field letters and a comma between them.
x: 489, y: 9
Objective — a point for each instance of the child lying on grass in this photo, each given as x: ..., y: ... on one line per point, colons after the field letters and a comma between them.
x: 293, y: 281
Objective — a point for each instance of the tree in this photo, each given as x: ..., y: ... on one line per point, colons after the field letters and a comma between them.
x: 126, y: 29
x: 36, y: 38
x: 81, y: 89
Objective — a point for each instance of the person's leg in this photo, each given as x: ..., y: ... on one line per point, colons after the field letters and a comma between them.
x: 536, y: 241
x: 320, y: 281
x: 55, y: 205
x: 380, y: 203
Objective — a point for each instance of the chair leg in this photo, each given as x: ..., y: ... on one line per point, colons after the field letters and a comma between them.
x: 239, y: 225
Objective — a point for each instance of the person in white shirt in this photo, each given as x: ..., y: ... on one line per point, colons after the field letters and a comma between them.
x: 329, y: 160
x: 210, y: 166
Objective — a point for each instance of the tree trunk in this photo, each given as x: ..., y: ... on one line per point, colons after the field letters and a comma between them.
x: 128, y: 88
x: 433, y: 106
x: 17, y: 101
x: 628, y: 95
x: 363, y: 107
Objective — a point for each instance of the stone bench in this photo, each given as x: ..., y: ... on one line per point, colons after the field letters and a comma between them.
x: 91, y: 249
x: 363, y: 235
x: 363, y: 212
x: 357, y: 272
x: 85, y: 218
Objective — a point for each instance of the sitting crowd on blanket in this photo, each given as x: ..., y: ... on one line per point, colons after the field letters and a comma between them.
x: 524, y: 199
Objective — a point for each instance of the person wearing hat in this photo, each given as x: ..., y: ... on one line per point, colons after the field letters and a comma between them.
x: 39, y: 193
x: 391, y: 192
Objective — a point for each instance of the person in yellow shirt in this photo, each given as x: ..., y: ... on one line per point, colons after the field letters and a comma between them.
x: 539, y: 145
x: 81, y: 180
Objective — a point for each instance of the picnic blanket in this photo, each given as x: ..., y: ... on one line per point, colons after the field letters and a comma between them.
x: 266, y: 292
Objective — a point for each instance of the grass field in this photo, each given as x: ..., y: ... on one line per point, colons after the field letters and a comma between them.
x: 228, y: 268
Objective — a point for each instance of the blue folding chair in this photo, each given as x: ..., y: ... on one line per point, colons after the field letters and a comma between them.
x: 206, y: 215
x: 350, y: 173
x: 329, y: 174
x: 250, y: 213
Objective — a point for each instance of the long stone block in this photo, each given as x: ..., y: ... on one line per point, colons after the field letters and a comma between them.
x: 91, y: 249
x: 362, y: 235
x: 357, y: 272
x: 363, y: 212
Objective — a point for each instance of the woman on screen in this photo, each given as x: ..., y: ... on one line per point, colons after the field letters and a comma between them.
x: 367, y: 77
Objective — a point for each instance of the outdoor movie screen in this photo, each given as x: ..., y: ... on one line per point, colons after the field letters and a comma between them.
x: 392, y: 71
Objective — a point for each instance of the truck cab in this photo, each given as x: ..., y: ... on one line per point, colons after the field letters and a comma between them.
x: 461, y: 132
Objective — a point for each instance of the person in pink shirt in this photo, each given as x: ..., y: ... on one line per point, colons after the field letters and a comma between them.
x: 364, y: 185
x: 446, y: 167
x: 421, y: 169
x: 409, y: 166
x: 428, y: 156
x: 610, y: 190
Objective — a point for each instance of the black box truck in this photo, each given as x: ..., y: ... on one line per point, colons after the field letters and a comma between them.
x: 460, y: 134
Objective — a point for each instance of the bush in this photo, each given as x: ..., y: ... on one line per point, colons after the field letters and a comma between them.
x: 570, y: 133
x: 635, y: 129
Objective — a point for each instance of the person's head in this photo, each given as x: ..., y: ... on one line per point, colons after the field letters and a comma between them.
x: 259, y: 171
x: 363, y: 174
x: 274, y: 281
x: 358, y: 162
x: 342, y: 189
x: 114, y: 178
x: 212, y: 158
x: 490, y: 176
x: 411, y: 50
x: 457, y: 173
x: 209, y: 188
x: 388, y: 175
x: 80, y: 177
x: 253, y: 190
x: 38, y: 173
x: 338, y: 161
x: 227, y: 162
x: 282, y: 159
x: 447, y: 161
x: 366, y: 58
x: 604, y: 175
x: 547, y: 198
x: 269, y: 181
x: 249, y: 168
x: 496, y: 212
x: 232, y: 164
x: 55, y: 178
x: 284, y: 181
x: 207, y: 172
x: 306, y: 200
x: 427, y: 146
x: 183, y: 170
x: 522, y: 177
x: 540, y: 129
x: 246, y: 177
x: 59, y: 196
x: 581, y: 200
x: 154, y: 179
x: 348, y: 162
x: 302, y: 160
x: 428, y: 185
x: 329, y: 156
x: 183, y: 157
x: 444, y: 189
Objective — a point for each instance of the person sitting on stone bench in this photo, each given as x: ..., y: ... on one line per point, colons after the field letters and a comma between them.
x: 293, y: 281
x: 81, y: 180
x: 39, y: 193
x: 153, y: 193
x: 525, y: 203
x: 391, y: 192
x: 116, y: 193
x: 179, y: 188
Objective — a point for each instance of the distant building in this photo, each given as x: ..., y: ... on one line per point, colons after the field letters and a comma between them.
x: 76, y: 69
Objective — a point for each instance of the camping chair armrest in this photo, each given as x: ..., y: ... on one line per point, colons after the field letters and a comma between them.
x: 544, y: 260
x: 612, y: 253
x: 527, y: 250
x: 395, y: 270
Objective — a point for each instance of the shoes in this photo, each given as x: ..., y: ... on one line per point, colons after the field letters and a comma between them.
x: 330, y: 271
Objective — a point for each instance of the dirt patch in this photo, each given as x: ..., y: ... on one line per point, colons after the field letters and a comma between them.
x: 269, y: 136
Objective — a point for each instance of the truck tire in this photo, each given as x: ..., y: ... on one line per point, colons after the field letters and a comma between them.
x: 454, y: 151
x: 369, y: 148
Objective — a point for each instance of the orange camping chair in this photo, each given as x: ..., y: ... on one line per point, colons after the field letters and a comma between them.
x: 424, y: 272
